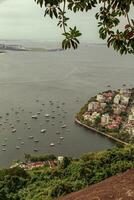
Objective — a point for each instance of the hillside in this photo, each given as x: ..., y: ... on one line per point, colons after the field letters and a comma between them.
x: 119, y: 187
x: 71, y: 175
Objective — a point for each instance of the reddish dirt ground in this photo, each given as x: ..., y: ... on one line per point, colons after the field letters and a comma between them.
x: 119, y: 187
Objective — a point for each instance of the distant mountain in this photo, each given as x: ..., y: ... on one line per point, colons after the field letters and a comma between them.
x: 4, y: 47
x: 12, y: 47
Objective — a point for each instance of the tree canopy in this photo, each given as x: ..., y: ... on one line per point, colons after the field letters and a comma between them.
x: 109, y: 15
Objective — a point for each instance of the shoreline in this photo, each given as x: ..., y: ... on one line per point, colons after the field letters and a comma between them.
x: 100, y: 132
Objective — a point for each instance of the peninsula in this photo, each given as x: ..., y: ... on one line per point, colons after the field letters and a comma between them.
x: 110, y: 113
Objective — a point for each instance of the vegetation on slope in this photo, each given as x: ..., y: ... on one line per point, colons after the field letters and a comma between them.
x: 71, y: 175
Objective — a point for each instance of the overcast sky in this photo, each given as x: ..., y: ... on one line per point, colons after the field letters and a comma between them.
x: 23, y: 19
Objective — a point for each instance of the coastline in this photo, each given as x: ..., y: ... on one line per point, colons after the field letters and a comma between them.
x: 100, y: 132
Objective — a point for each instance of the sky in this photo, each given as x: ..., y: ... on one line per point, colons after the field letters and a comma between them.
x: 23, y: 20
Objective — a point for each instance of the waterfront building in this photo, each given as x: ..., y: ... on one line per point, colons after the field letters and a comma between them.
x: 93, y: 106
x: 103, y: 105
x: 131, y: 118
x: 105, y: 119
x: 117, y: 99
x: 125, y: 100
x: 117, y: 110
x: 132, y: 110
x: 86, y: 116
x: 100, y: 98
x: 125, y: 92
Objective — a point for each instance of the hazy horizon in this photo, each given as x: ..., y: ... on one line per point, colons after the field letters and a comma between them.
x: 24, y: 20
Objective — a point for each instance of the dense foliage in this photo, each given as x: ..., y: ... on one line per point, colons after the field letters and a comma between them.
x: 17, y: 184
x: 41, y: 158
x: 110, y: 11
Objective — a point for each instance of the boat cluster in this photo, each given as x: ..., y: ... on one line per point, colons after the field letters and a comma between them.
x: 9, y: 123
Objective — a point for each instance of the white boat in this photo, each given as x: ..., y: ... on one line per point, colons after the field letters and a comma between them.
x: 22, y: 143
x: 35, y: 116
x: 17, y: 147
x: 47, y: 115
x: 36, y: 141
x: 3, y: 149
x: 3, y: 145
x: 35, y: 150
x: 64, y: 126
x: 62, y: 138
x: 52, y: 144
x: 43, y: 131
x: 31, y: 137
x: 14, y: 130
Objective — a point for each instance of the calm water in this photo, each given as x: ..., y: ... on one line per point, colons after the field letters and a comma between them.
x: 28, y: 80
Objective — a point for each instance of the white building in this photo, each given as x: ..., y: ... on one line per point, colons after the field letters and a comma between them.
x: 94, y: 116
x: 60, y: 159
x: 117, y: 110
x: 103, y: 105
x: 125, y: 92
x: 132, y: 110
x: 125, y: 100
x: 117, y: 99
x: 92, y: 106
x: 105, y: 119
x: 86, y: 116
x: 131, y: 118
x: 100, y: 98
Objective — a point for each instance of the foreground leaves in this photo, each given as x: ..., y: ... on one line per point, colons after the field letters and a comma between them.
x: 108, y: 17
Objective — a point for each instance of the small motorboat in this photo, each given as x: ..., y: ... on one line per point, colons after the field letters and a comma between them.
x: 52, y: 144
x: 31, y: 136
x: 47, y: 115
x: 35, y: 150
x: 29, y: 127
x: 14, y: 130
x: 35, y: 117
x: 17, y: 147
x: 61, y: 138
x: 3, y: 145
x: 3, y: 149
x: 22, y: 143
x: 36, y: 141
x: 64, y: 126
x: 43, y: 131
